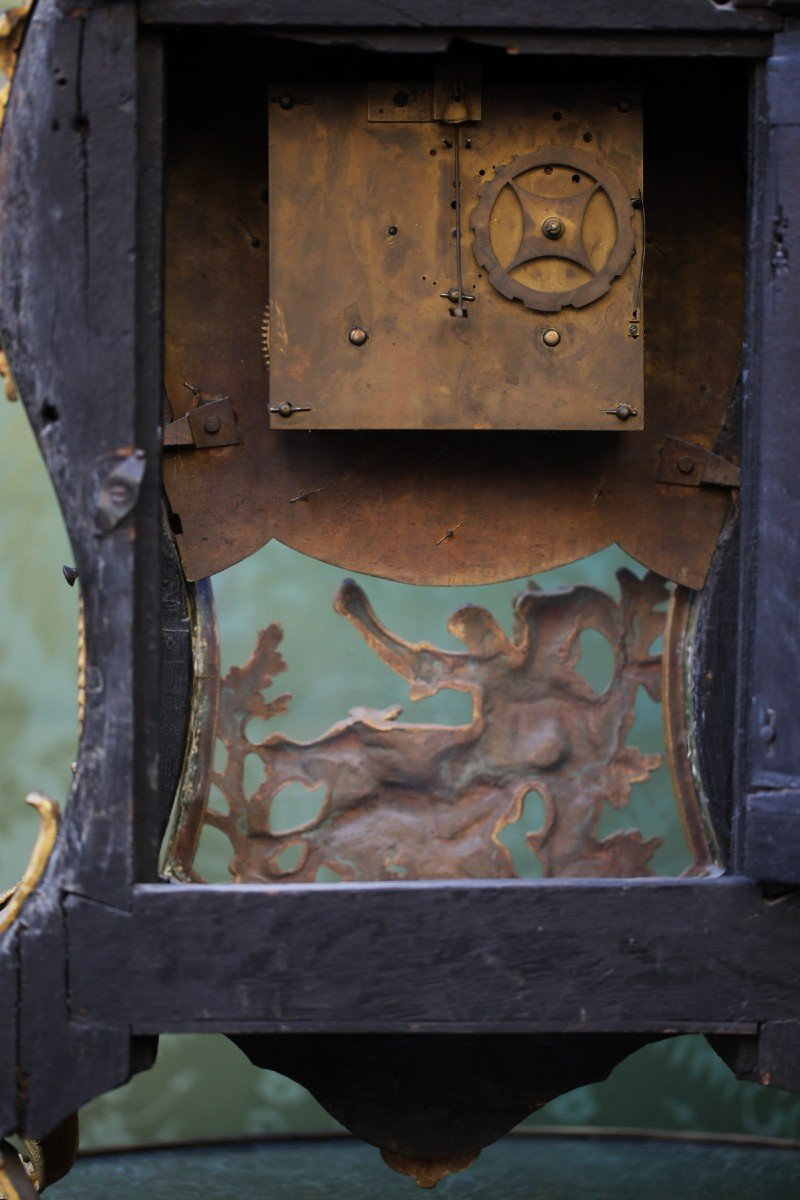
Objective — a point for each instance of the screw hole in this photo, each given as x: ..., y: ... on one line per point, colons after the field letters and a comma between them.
x: 50, y: 413
x: 576, y: 178
x: 481, y: 172
x: 432, y: 153
x: 587, y: 137
x: 556, y: 116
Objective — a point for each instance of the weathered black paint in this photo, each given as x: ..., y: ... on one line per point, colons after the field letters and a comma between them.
x: 769, y: 644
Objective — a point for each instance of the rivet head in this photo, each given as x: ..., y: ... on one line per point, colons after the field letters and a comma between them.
x: 685, y: 464
x: 286, y: 102
x: 118, y: 493
x: 553, y: 228
x: 285, y: 409
x: 392, y: 231
x: 358, y: 336
x: 212, y: 424
x: 623, y: 412
x: 551, y: 337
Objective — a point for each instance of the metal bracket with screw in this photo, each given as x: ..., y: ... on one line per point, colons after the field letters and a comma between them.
x: 686, y: 464
x: 119, y: 491
x: 203, y: 428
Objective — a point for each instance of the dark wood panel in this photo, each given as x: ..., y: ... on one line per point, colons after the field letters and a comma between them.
x: 577, y: 956
x: 68, y: 310
x: 642, y: 15
x: 769, y: 705
x: 155, y: 724
x: 9, y: 984
x: 772, y: 842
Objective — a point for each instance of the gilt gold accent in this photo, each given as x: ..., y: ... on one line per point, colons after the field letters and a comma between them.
x: 11, y: 903
x: 13, y: 23
x: 15, y: 1182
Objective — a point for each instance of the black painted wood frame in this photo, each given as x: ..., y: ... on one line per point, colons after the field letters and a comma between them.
x: 103, y: 956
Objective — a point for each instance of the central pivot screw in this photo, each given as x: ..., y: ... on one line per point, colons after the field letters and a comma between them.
x: 212, y: 424
x: 685, y: 465
x: 358, y: 336
x: 553, y: 228
x: 551, y: 337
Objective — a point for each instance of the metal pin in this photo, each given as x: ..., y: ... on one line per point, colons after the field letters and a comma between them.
x: 599, y: 491
x: 285, y: 408
x: 448, y: 533
x: 623, y: 412
x: 194, y: 390
x: 70, y: 574
x: 255, y: 242
x: 305, y: 495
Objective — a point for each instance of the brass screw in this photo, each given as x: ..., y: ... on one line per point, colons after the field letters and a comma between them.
x: 622, y: 412
x: 553, y: 228
x: 212, y: 424
x: 551, y: 337
x: 358, y: 336
x: 685, y: 465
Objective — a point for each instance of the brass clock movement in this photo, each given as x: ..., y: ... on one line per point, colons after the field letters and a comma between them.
x: 456, y: 253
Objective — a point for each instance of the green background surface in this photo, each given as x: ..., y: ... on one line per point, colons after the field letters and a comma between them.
x: 203, y: 1086
x: 521, y: 1167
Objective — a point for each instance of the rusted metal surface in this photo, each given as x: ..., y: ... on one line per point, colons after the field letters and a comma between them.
x: 430, y: 802
x: 380, y: 502
x: 543, y: 188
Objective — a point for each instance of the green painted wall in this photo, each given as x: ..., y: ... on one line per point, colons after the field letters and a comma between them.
x: 203, y: 1085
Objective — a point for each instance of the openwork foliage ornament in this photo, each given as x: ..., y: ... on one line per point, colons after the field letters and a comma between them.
x: 411, y: 801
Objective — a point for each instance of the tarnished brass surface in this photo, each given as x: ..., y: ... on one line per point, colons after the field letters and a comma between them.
x: 381, y: 502
x: 401, y: 800
x: 187, y: 820
x: 363, y: 234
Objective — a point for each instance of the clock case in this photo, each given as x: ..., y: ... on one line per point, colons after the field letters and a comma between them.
x: 444, y: 989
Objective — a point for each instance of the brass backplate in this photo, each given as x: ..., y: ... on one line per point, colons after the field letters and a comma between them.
x: 382, y: 502
x: 364, y: 246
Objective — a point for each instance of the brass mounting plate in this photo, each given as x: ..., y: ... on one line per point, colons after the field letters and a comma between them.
x: 362, y: 241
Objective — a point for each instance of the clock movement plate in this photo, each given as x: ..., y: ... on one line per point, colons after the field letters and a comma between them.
x: 529, y: 194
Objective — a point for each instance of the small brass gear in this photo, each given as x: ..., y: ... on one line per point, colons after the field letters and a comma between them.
x: 265, y: 334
